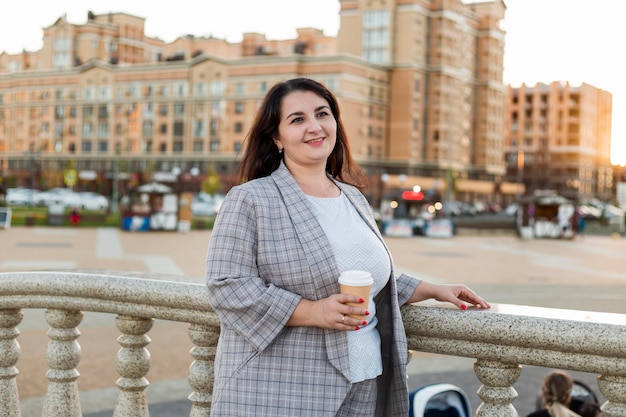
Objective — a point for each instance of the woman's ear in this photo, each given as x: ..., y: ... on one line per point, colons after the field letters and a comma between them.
x: 278, y: 144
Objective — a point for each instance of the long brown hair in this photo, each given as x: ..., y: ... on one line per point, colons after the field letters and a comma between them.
x: 557, y: 387
x: 261, y: 156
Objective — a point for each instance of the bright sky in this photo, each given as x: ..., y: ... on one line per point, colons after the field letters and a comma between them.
x: 547, y: 40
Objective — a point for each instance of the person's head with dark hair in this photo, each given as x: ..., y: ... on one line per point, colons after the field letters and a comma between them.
x: 590, y: 410
x: 557, y: 388
x: 264, y: 148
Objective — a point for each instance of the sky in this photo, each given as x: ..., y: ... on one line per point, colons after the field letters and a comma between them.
x: 546, y: 40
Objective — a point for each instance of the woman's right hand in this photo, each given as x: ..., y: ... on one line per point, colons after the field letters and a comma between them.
x: 330, y: 313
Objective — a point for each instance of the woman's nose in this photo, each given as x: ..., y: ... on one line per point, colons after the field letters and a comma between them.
x: 314, y: 126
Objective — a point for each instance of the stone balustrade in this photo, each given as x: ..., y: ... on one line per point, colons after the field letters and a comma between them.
x: 501, y: 340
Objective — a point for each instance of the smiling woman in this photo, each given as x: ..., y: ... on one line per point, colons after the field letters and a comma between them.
x: 280, y: 242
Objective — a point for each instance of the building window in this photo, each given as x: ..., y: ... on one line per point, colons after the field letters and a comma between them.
x: 239, y: 89
x: 87, y: 130
x: 104, y: 93
x: 215, y: 145
x: 200, y: 89
x: 86, y: 146
x: 163, y: 128
x: 147, y: 129
x: 198, y: 129
x: 179, y: 109
x: 163, y: 147
x: 103, y: 146
x: 163, y: 109
x: 103, y: 130
x: 87, y: 111
x: 61, y: 53
x: 177, y: 146
x: 217, y: 88
x: 238, y: 128
x: 198, y: 146
x: 180, y: 89
x: 178, y: 128
x: 216, y: 109
x: 375, y: 36
x: 239, y: 107
x: 103, y: 112
x: 237, y: 146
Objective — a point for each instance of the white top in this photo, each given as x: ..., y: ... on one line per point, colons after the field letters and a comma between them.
x: 356, y: 246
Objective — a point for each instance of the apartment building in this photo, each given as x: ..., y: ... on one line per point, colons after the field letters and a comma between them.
x: 558, y: 137
x: 419, y: 82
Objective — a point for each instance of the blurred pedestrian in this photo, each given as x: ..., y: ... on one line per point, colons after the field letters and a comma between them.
x: 556, y: 395
x: 75, y: 217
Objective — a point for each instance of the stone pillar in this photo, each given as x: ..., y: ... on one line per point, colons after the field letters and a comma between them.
x: 132, y: 363
x: 201, y: 370
x: 497, y: 392
x: 9, y: 398
x: 614, y: 390
x: 63, y: 355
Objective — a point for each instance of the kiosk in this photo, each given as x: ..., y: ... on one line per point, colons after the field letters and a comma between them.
x: 150, y: 206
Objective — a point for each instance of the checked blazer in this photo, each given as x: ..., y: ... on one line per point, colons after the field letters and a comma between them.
x: 266, y: 252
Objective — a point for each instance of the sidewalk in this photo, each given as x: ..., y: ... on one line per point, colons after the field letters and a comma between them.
x: 583, y: 275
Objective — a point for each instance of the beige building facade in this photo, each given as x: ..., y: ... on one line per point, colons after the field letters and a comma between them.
x: 558, y: 137
x: 419, y: 82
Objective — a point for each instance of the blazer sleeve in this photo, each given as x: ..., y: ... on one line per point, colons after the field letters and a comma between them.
x: 406, y: 285
x: 255, y: 309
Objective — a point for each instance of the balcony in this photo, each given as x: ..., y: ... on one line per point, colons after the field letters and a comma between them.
x: 501, y: 340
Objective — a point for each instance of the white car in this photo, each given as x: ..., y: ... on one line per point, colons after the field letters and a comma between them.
x: 88, y: 200
x: 21, y: 196
x: 55, y: 196
x: 206, y: 205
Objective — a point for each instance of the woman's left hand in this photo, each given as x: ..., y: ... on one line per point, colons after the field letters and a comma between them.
x: 457, y: 294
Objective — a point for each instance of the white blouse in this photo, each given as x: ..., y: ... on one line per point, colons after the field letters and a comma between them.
x: 356, y: 246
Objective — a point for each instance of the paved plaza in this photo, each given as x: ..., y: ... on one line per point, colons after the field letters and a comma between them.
x: 583, y: 274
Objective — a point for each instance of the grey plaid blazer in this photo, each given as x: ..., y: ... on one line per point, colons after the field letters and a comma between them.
x: 266, y: 252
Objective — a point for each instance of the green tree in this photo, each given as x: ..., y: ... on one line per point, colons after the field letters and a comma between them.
x: 211, y: 184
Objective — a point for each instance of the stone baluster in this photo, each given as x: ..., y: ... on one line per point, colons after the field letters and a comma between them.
x: 614, y: 390
x: 132, y: 364
x: 9, y: 398
x: 63, y: 355
x: 201, y: 370
x: 497, y: 391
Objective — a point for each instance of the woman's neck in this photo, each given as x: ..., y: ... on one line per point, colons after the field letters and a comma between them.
x: 316, y: 183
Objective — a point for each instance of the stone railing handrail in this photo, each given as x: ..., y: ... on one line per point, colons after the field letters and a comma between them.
x: 500, y: 339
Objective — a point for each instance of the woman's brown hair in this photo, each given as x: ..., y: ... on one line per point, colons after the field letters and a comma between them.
x: 261, y: 156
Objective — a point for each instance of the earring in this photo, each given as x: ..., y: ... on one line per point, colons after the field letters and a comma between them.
x: 280, y: 150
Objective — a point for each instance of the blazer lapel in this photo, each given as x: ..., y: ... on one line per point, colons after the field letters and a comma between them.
x: 319, y: 257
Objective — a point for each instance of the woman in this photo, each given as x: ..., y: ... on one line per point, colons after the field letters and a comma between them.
x: 556, y: 395
x: 288, y: 346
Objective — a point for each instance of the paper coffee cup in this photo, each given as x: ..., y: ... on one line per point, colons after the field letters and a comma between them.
x: 358, y: 283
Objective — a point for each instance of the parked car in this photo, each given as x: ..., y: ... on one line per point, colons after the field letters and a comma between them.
x: 21, y: 196
x: 206, y: 205
x: 92, y: 201
x: 55, y: 196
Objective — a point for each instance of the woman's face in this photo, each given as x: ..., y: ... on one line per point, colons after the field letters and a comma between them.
x: 307, y: 132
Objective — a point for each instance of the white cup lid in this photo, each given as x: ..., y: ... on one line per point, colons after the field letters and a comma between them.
x: 356, y: 277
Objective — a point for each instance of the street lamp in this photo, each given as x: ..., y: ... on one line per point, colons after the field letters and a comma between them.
x: 115, y: 191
